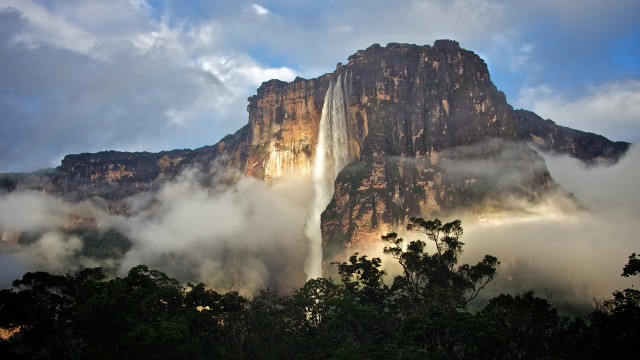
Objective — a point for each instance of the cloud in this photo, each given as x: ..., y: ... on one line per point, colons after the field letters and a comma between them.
x: 611, y: 109
x: 239, y: 232
x: 260, y: 10
x: 574, y: 259
x: 33, y: 211
x: 83, y: 76
x: 41, y: 223
x: 52, y: 251
x: 43, y: 25
x: 571, y: 252
x: 224, y: 229
x: 608, y: 192
x: 495, y: 161
x: 235, y: 232
x: 574, y: 256
x: 134, y: 75
x: 149, y: 86
x: 239, y: 71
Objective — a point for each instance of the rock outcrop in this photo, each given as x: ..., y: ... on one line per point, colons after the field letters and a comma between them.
x: 428, y: 133
x: 283, y: 127
x: 550, y: 137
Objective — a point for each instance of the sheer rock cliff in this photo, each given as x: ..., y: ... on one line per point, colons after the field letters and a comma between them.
x: 428, y: 132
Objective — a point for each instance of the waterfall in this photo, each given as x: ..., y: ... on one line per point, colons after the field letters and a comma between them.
x: 332, y: 154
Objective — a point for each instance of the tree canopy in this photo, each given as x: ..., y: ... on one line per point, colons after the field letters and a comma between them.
x: 421, y: 313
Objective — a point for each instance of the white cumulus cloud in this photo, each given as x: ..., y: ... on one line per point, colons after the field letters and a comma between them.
x: 260, y: 10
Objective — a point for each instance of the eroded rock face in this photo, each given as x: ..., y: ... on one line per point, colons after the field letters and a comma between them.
x: 283, y: 122
x: 115, y: 175
x: 429, y: 133
x: 403, y: 100
x: 546, y: 135
x: 408, y: 107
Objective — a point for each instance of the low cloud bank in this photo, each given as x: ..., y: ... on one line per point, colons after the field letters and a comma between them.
x: 226, y: 230
x: 569, y: 245
x: 235, y: 232
x: 571, y: 256
x: 239, y: 234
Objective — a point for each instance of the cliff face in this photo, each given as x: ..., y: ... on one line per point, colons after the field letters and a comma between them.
x: 423, y: 118
x: 414, y: 99
x: 429, y: 134
x: 427, y: 131
x: 588, y: 147
x: 115, y: 175
x: 283, y: 127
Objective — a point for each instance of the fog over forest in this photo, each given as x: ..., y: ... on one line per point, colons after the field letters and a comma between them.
x: 235, y: 232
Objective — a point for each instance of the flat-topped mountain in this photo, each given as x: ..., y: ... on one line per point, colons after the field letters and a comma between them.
x: 398, y: 131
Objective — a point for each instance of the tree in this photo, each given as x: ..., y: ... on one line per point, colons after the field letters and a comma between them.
x: 433, y: 279
x: 615, y: 324
x: 523, y: 327
x: 433, y: 289
x: 40, y: 306
x: 363, y: 279
x: 632, y: 267
x: 146, y: 314
x: 317, y: 299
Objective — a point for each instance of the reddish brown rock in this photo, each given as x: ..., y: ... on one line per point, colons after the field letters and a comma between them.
x: 429, y: 133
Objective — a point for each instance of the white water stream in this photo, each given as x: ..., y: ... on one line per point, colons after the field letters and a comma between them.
x: 332, y: 154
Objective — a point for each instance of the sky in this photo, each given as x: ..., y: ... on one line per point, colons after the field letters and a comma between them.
x: 134, y: 75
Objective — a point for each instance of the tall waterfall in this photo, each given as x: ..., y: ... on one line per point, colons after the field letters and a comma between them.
x: 332, y: 154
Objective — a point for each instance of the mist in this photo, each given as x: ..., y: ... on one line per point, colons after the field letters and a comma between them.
x: 238, y: 234
x: 234, y: 232
x: 227, y: 230
x: 39, y: 218
x: 568, y: 245
x: 571, y: 256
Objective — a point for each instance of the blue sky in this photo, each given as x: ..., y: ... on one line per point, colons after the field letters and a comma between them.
x: 90, y: 75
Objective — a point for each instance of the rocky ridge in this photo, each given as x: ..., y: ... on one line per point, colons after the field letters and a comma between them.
x: 428, y: 131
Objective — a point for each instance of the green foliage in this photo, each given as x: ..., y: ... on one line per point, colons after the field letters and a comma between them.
x: 107, y: 244
x: 524, y: 326
x: 615, y: 324
x: 316, y: 298
x: 422, y: 315
x: 362, y: 279
x: 433, y: 279
x: 632, y: 267
x: 143, y: 315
